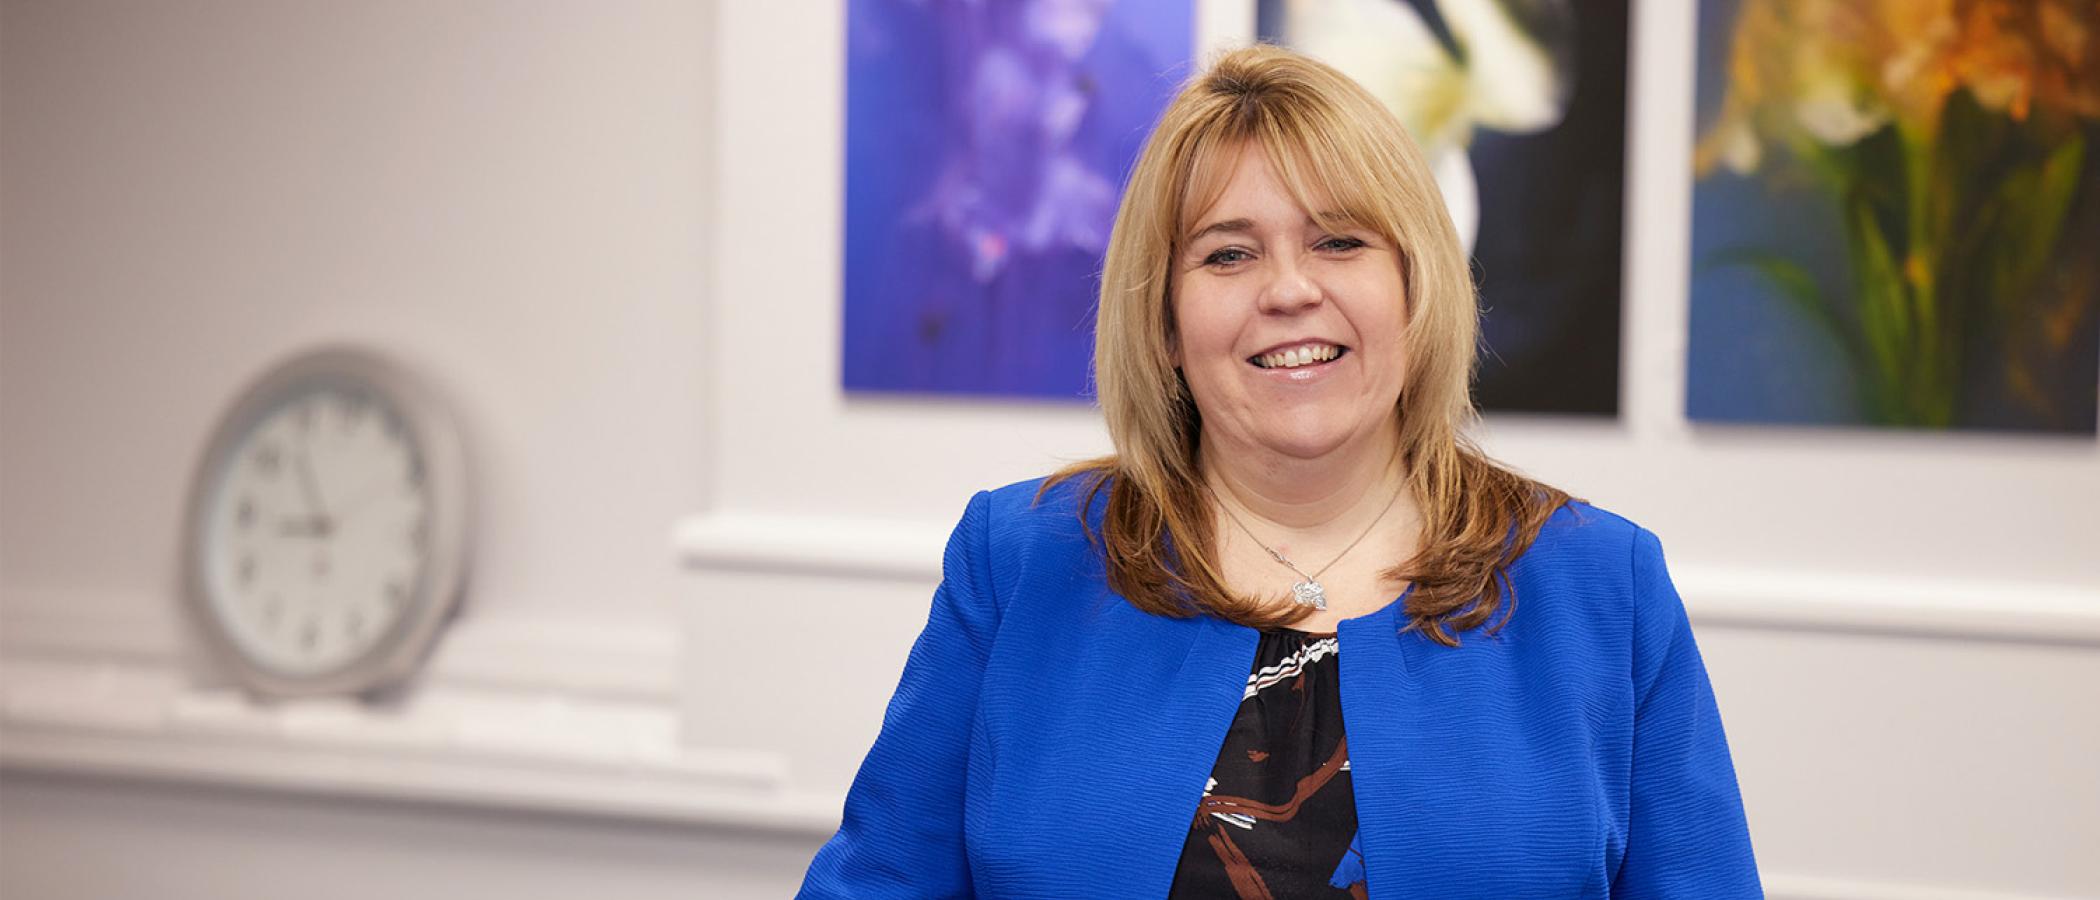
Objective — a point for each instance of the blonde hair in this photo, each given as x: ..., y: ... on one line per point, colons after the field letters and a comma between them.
x: 1332, y: 142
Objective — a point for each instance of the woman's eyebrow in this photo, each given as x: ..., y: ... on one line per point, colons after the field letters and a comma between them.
x: 1246, y: 226
x: 1228, y: 226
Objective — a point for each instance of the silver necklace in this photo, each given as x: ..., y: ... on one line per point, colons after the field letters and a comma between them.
x: 1308, y: 592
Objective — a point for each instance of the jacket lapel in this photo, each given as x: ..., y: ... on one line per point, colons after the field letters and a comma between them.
x: 1386, y: 720
x: 1180, y: 733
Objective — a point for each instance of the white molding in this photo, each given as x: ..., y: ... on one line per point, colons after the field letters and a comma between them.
x: 1715, y: 596
x: 510, y: 751
x: 902, y: 550
x: 1967, y: 609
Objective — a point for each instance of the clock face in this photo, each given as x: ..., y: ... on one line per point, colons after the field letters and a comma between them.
x: 315, y: 537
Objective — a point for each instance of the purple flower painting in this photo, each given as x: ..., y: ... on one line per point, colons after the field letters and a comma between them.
x: 986, y: 147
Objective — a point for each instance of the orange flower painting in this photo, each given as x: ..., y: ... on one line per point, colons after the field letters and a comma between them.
x: 1896, y: 214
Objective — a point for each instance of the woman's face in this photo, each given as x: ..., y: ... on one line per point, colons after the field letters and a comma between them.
x: 1264, y: 290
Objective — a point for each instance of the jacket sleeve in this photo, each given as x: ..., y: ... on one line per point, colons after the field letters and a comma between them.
x: 1686, y: 835
x: 902, y: 834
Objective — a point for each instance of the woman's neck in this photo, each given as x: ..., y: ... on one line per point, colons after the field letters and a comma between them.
x: 1339, y: 491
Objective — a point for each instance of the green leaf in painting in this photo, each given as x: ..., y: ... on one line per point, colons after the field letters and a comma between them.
x: 2039, y: 218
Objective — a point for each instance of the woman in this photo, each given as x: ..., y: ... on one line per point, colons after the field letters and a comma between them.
x: 1272, y: 646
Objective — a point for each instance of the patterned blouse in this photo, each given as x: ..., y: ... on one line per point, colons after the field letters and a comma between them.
x: 1278, y: 819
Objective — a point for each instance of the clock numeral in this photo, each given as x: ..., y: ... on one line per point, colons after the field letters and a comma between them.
x: 245, y: 515
x: 267, y: 458
x: 246, y: 571
x: 309, y: 636
x: 354, y: 623
x: 272, y: 611
x: 418, y: 532
x: 396, y: 594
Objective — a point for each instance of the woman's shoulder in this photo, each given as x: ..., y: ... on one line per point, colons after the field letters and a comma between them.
x: 1036, y: 508
x: 1032, y: 522
x: 1596, y: 565
x: 1582, y: 532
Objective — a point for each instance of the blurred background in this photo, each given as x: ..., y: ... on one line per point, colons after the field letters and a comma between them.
x: 659, y: 261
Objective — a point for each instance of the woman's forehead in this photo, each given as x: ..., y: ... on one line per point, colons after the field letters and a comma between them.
x: 1214, y: 173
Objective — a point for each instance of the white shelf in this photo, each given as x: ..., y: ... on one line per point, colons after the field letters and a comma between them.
x: 517, y: 711
x: 544, y: 753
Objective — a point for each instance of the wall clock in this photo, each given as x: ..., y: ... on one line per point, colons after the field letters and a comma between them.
x: 326, y: 538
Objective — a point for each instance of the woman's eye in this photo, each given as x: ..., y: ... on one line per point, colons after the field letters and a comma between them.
x: 1341, y: 243
x: 1225, y: 257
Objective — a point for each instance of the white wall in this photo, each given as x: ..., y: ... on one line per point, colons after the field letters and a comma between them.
x: 612, y: 231
x: 513, y: 196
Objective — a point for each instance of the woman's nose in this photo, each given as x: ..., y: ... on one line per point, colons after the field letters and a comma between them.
x: 1290, y: 288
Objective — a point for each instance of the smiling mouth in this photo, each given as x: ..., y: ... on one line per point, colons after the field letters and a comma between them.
x: 1301, y: 358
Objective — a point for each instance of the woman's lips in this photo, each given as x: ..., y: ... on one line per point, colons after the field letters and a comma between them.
x: 1305, y: 374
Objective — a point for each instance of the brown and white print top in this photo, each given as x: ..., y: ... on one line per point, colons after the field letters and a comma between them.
x: 1278, y: 819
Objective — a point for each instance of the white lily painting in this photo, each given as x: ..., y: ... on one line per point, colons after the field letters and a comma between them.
x: 1519, y: 105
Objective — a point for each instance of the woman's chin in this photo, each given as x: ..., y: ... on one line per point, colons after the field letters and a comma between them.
x: 1305, y: 443
x: 1309, y: 434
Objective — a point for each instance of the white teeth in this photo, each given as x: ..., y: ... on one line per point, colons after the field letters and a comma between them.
x: 1302, y: 355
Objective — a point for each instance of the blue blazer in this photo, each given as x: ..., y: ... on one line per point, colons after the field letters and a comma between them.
x: 1048, y: 739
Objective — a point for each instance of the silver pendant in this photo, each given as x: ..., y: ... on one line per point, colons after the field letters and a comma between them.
x: 1310, y: 593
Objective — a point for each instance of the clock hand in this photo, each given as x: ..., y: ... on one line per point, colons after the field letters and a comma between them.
x: 307, y: 481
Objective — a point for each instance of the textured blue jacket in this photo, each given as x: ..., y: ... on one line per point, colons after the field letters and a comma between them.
x: 1050, y: 740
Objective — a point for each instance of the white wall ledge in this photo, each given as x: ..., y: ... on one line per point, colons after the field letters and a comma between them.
x: 479, y: 749
x: 523, y: 711
x: 1965, y: 609
x: 864, y: 547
